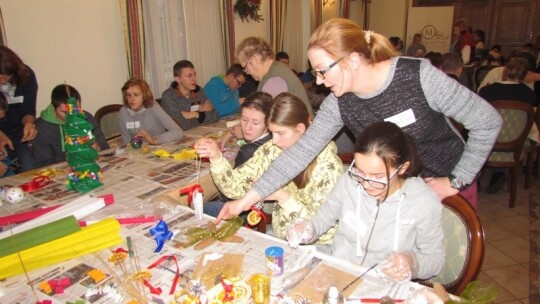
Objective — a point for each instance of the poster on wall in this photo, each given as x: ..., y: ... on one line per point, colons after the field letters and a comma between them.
x: 434, y: 24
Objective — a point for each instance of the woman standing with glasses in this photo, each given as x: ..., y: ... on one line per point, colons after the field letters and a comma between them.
x: 257, y: 59
x: 370, y: 83
x: 387, y: 215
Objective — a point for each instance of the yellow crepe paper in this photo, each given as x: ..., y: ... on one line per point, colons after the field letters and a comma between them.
x: 92, y: 238
x: 185, y: 154
x: 188, y: 153
x: 162, y: 153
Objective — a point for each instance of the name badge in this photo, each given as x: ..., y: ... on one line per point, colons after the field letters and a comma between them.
x: 16, y: 99
x: 402, y: 119
x: 133, y: 124
x: 194, y: 108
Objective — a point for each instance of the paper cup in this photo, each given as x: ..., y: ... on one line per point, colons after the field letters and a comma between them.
x: 260, y: 288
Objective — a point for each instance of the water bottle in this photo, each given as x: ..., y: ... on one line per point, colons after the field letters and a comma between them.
x: 333, y: 296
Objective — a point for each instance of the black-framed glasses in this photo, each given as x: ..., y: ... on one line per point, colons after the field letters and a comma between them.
x: 324, y: 71
x: 377, y: 184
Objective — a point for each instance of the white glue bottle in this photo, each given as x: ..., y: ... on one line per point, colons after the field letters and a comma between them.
x: 333, y: 296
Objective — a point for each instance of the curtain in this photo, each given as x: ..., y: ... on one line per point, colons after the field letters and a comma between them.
x: 278, y: 15
x: 318, y: 13
x: 3, y: 37
x: 166, y: 41
x: 132, y: 19
x: 344, y: 8
x: 204, y: 38
x: 227, y: 28
x: 293, y: 42
x: 366, y: 14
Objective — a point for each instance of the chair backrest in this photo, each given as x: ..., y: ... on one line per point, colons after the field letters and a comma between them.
x: 464, y: 244
x: 480, y: 73
x: 518, y: 118
x: 107, y: 117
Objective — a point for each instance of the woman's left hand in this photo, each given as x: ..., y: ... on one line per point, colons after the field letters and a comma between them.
x: 29, y: 132
x: 398, y: 266
x: 441, y: 186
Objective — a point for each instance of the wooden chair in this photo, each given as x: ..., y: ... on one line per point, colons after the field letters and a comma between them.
x: 346, y: 158
x: 532, y: 150
x: 464, y: 244
x: 107, y: 117
x: 266, y: 220
x: 480, y: 73
x: 507, y: 153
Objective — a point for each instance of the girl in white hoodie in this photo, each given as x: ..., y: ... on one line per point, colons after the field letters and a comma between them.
x: 387, y: 215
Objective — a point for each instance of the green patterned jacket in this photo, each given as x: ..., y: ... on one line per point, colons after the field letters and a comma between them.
x: 235, y: 183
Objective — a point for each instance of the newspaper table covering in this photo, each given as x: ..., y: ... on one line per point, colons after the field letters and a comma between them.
x: 85, y: 287
x: 133, y: 177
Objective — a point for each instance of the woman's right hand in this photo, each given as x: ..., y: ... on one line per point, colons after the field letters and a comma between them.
x: 4, y: 141
x: 207, y: 147
x: 3, y: 169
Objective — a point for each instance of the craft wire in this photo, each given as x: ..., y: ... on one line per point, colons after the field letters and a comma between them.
x: 358, y: 277
x: 198, y: 161
x: 24, y: 267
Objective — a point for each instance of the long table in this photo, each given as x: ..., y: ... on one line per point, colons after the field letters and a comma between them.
x: 134, y: 178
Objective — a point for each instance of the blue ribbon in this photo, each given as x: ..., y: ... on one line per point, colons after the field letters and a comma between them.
x: 161, y: 233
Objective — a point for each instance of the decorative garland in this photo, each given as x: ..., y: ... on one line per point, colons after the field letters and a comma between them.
x: 248, y: 9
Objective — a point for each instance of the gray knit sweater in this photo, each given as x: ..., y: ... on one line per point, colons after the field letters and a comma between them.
x: 152, y: 120
x: 442, y: 94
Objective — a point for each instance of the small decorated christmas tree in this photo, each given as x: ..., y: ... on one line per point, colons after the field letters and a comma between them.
x: 84, y: 173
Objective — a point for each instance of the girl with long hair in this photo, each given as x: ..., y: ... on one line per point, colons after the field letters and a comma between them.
x: 387, y: 214
x: 288, y: 121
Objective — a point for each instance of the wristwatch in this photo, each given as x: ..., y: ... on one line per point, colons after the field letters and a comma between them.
x: 457, y: 183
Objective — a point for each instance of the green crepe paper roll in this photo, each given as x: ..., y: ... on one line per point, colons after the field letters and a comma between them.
x: 38, y: 235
